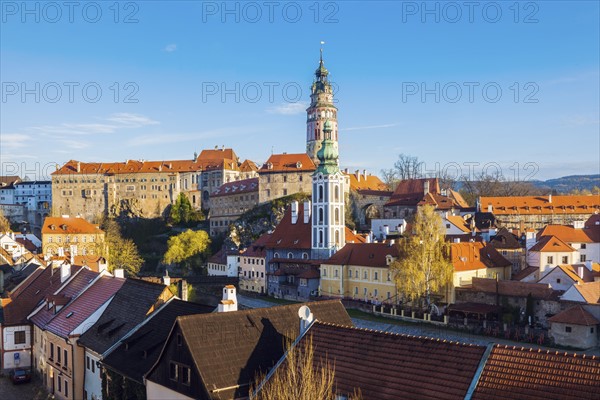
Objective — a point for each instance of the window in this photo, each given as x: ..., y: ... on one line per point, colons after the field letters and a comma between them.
x: 324, y: 272
x: 51, y: 351
x: 389, y: 277
x: 58, y: 354
x: 550, y: 260
x: 66, y: 358
x: 66, y: 388
x: 375, y: 293
x: 87, y: 362
x: 376, y: 276
x: 565, y: 260
x: 179, y: 340
x: 568, y: 329
x: 336, y: 273
x: 93, y: 366
x: 356, y: 290
x: 59, y: 384
x: 582, y: 258
x: 356, y: 274
x: 447, y: 226
x: 557, y: 280
x: 592, y: 329
x: 365, y: 275
x: 349, y: 273
x: 173, y: 371
x: 19, y: 337
x: 185, y: 375
x: 290, y: 255
x: 583, y: 245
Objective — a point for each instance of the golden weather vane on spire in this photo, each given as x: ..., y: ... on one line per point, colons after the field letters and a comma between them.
x: 322, y: 43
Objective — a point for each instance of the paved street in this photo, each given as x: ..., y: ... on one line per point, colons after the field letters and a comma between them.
x: 24, y: 391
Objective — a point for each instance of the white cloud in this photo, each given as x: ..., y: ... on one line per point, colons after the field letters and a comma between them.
x: 170, y: 48
x: 132, y: 120
x: 362, y: 128
x: 289, y: 108
x: 110, y: 124
x: 13, y: 140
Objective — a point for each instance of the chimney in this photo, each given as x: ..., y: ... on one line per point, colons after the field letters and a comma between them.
x: 78, y: 166
x: 61, y: 252
x: 229, y: 302
x: 578, y: 224
x: 294, y: 212
x: 456, y: 240
x: 119, y: 273
x: 102, y: 265
x: 65, y: 272
x: 346, y: 171
x: 391, y: 243
x: 307, y: 211
x: 365, y: 173
x: 550, y: 198
x: 166, y: 278
x: 182, y: 288
x: 357, y: 173
x: 306, y: 319
x: 368, y: 237
x: 426, y: 187
x: 490, y: 208
x: 580, y: 271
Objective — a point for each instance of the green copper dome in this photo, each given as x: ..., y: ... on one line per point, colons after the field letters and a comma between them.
x: 328, y: 153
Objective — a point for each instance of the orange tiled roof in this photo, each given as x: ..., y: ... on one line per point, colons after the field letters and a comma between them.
x: 470, y: 256
x: 359, y: 182
x: 258, y: 247
x: 567, y: 234
x: 70, y: 225
x: 514, y: 288
x: 218, y: 154
x: 248, y: 166
x: 541, y: 204
x: 288, y: 163
x: 529, y: 374
x: 459, y: 222
x: 364, y: 254
x: 552, y: 244
x: 589, y: 291
x: 568, y: 270
x: 575, y: 315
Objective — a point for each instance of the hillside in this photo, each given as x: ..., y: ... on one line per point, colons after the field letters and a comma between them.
x: 568, y: 184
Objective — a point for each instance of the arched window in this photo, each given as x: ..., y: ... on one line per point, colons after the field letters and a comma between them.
x: 320, y: 198
x: 337, y: 215
x: 290, y: 255
x: 305, y: 256
x: 321, y: 215
x: 320, y: 237
x: 276, y: 255
x: 337, y: 193
x: 337, y: 237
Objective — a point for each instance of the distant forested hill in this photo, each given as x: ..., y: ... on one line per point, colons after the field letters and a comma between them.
x: 571, y: 183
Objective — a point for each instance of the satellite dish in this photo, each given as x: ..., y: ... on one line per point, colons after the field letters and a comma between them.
x: 304, y: 312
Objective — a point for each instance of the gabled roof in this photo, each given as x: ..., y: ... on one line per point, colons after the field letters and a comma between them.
x: 288, y: 163
x: 220, y: 257
x: 71, y: 289
x: 78, y: 310
x: 410, y: 192
x: 567, y: 270
x: 136, y: 354
x: 505, y: 240
x: 551, y: 244
x: 31, y: 292
x: 390, y: 366
x: 514, y: 288
x: 69, y: 225
x: 364, y: 254
x: 567, y: 234
x: 541, y: 204
x: 248, y: 166
x: 575, y: 315
x: 237, y: 187
x: 249, y: 341
x: 369, y: 183
x: 459, y: 222
x: 132, y: 303
x: 469, y: 256
x: 524, y: 273
x: 529, y: 374
x: 291, y: 236
x: 589, y: 291
x: 8, y: 181
x: 217, y: 154
x: 258, y: 247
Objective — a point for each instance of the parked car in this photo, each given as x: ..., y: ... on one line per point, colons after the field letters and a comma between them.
x: 20, y: 375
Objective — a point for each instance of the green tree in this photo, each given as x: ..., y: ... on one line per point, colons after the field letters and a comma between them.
x: 188, y: 249
x: 121, y: 253
x: 423, y: 267
x: 182, y: 212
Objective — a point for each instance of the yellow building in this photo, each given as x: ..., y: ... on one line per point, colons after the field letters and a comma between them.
x: 476, y: 260
x: 73, y: 235
x: 361, y: 271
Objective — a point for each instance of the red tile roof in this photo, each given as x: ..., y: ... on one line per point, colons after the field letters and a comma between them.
x: 288, y: 163
x: 552, y: 244
x: 541, y: 204
x: 76, y: 312
x: 470, y: 256
x: 360, y: 183
x: 364, y: 254
x: 27, y: 296
x: 567, y: 234
x: 575, y: 315
x: 248, y: 166
x: 70, y: 225
x: 514, y: 288
x: 524, y: 273
x: 389, y: 366
x: 258, y: 247
x: 217, y: 154
x: 237, y: 187
x: 291, y: 236
x: 528, y: 374
x: 589, y: 291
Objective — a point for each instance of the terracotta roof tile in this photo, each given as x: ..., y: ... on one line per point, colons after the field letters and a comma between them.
x: 514, y: 288
x: 589, y: 291
x: 69, y: 225
x: 469, y: 256
x: 364, y: 254
x: 288, y: 163
x: 527, y: 374
x: 258, y: 247
x: 541, y: 204
x: 575, y: 315
x: 524, y: 273
x: 567, y: 234
x: 359, y: 183
x: 391, y: 366
x: 552, y: 244
x: 237, y: 187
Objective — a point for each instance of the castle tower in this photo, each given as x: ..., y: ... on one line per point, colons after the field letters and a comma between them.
x: 328, y: 228
x: 321, y: 109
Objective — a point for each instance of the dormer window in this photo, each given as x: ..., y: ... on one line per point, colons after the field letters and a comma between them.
x: 298, y: 164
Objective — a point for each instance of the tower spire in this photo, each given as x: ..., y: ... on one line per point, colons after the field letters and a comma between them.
x: 321, y: 58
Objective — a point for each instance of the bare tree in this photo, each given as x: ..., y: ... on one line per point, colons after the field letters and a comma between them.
x: 495, y: 185
x: 390, y: 178
x: 408, y: 167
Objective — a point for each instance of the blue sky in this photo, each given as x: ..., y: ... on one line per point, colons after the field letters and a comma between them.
x: 410, y: 80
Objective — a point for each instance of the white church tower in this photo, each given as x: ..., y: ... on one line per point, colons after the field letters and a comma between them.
x: 328, y: 228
